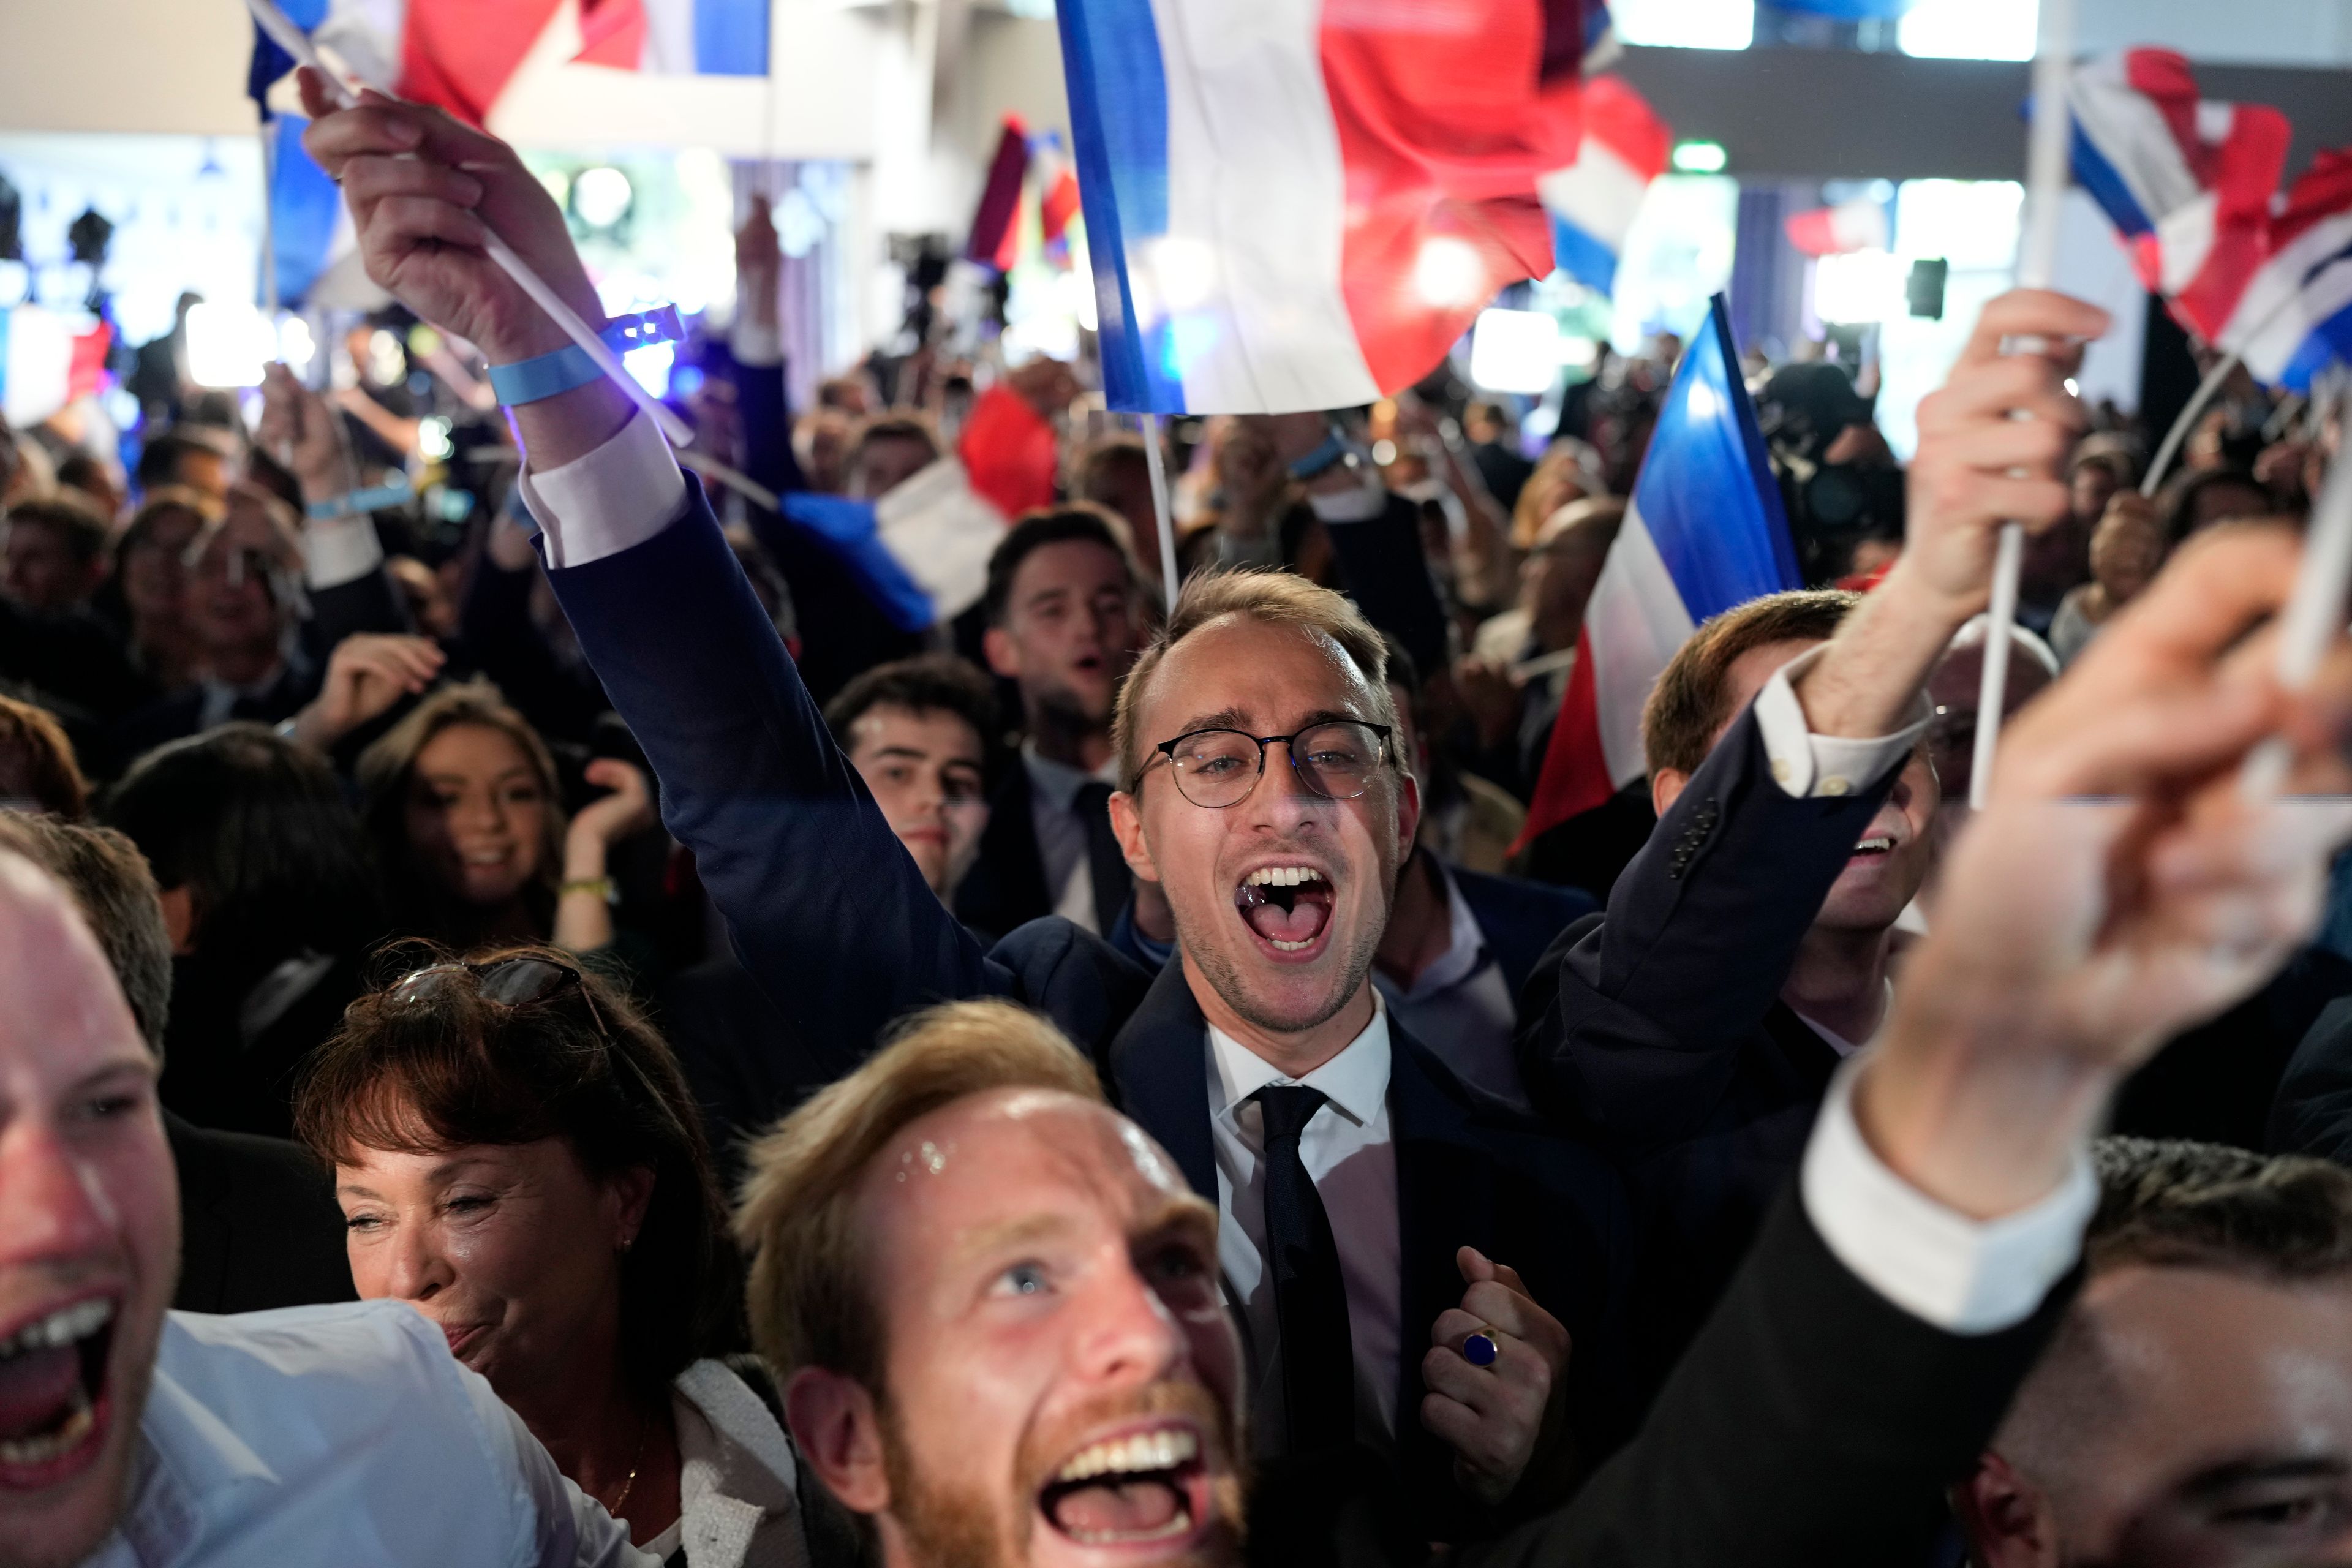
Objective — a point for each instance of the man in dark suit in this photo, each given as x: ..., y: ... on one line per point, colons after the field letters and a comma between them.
x: 258, y: 1224
x: 1355, y: 1197
x: 1746, y: 948
x: 1065, y: 618
x: 1895, y: 1300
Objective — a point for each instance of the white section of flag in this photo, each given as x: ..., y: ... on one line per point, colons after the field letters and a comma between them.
x: 1600, y: 193
x: 1249, y: 271
x: 2268, y: 328
x: 942, y: 532
x: 1635, y: 621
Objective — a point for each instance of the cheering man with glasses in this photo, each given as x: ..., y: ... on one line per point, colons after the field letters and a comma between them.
x: 1383, y: 1220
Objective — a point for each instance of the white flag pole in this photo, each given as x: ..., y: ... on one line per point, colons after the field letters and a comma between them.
x: 2313, y: 617
x: 296, y: 43
x: 1161, y: 509
x: 2037, y: 266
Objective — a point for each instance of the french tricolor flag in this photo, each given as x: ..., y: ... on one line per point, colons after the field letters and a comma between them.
x: 2187, y: 181
x: 1704, y: 532
x: 1302, y: 204
x: 2295, y: 315
x: 48, y: 361
x: 1593, y: 201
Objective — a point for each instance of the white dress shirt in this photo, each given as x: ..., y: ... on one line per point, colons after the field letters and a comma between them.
x: 1953, y: 1272
x: 1352, y: 1158
x: 1062, y: 833
x: 345, y: 1435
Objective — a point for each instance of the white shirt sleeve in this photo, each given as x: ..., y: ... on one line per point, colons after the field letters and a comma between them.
x: 1807, y: 765
x: 340, y: 549
x: 613, y: 498
x: 1964, y: 1276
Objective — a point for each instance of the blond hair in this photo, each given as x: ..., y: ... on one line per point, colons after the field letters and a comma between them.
x: 809, y: 1300
x: 1273, y: 598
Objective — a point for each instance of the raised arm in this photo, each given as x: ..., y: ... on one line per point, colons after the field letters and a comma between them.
x: 2119, y: 889
x: 827, y: 908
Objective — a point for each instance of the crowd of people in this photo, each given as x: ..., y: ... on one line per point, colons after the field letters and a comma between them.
x: 547, y: 1025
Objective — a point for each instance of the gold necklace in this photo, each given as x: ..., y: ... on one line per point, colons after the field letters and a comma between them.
x: 644, y: 1430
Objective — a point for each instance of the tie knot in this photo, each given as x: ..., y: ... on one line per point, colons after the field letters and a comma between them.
x: 1288, y: 1107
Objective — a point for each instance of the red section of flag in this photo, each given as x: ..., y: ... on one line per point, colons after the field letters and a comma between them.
x: 1009, y: 452
x: 1575, y: 776
x: 1444, y: 124
x: 1059, y: 203
x: 88, y: 367
x: 611, y: 33
x: 1000, y: 198
x: 460, y: 53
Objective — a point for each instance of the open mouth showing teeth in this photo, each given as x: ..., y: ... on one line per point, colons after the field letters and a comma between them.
x: 52, y: 1379
x: 1286, y: 906
x: 1877, y: 844
x: 1142, y: 1488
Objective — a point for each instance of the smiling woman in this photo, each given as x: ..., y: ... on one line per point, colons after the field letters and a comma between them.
x: 518, y: 1158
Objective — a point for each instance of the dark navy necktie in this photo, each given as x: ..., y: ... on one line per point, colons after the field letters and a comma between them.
x: 1310, y: 1301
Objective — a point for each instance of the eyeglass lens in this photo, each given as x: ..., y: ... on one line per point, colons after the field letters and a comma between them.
x: 1219, y: 767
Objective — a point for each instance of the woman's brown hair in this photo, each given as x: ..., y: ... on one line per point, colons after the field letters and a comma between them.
x: 427, y: 1063
x: 387, y: 773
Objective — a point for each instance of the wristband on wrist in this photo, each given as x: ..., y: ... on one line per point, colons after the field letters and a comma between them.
x: 553, y: 375
x: 355, y: 501
x: 600, y: 886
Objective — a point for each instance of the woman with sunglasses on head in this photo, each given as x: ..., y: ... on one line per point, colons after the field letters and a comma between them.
x: 518, y: 1158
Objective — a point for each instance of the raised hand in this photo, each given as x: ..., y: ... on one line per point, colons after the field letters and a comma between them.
x: 610, y: 818
x: 2120, y: 886
x: 299, y: 430
x: 1495, y: 1416
x: 366, y: 674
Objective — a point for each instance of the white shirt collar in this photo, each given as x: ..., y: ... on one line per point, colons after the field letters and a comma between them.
x: 1059, y: 783
x: 1356, y: 1080
x: 1465, y: 944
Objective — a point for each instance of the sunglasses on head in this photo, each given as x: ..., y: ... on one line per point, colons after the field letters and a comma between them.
x: 508, y: 982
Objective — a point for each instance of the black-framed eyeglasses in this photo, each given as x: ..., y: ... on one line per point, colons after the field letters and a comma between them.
x: 1335, y: 759
x: 508, y: 982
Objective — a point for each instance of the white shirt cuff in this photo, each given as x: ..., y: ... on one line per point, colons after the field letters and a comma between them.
x: 754, y: 342
x: 1362, y: 504
x: 1807, y: 766
x: 338, y: 551
x: 613, y: 498
x: 1963, y: 1276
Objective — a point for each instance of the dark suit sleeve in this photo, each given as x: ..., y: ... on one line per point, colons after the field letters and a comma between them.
x: 1812, y: 1424
x: 827, y: 911
x: 1386, y: 572
x: 2314, y: 1111
x: 1634, y: 1032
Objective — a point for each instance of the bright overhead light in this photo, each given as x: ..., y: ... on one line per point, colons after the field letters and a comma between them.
x: 1700, y: 157
x: 1514, y: 351
x: 228, y: 344
x: 601, y: 196
x: 1861, y: 287
x: 1449, y: 272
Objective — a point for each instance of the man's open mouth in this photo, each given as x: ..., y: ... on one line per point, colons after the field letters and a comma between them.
x: 52, y: 1389
x: 1876, y: 845
x: 1289, y: 907
x: 1137, y: 1489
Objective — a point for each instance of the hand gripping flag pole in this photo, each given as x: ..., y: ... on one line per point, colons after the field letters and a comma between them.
x: 282, y: 31
x: 2037, y: 265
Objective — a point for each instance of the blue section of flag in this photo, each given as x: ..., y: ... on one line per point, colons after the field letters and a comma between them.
x: 730, y: 38
x: 2329, y: 342
x: 1706, y: 492
x: 303, y: 206
x: 1582, y: 258
x: 269, y: 62
x: 1849, y: 10
x: 2096, y: 174
x: 848, y: 527
x: 1119, y: 120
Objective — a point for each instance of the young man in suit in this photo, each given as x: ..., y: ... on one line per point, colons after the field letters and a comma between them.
x: 1364, y: 1186
x: 1745, y: 951
x: 2195, y: 1407
x: 1065, y: 618
x: 1022, y: 1360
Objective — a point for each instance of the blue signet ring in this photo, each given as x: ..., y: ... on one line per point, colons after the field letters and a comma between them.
x: 1480, y: 1350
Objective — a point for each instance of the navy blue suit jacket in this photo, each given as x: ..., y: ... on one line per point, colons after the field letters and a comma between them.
x: 1521, y: 919
x: 829, y: 913
x: 1657, y: 1029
